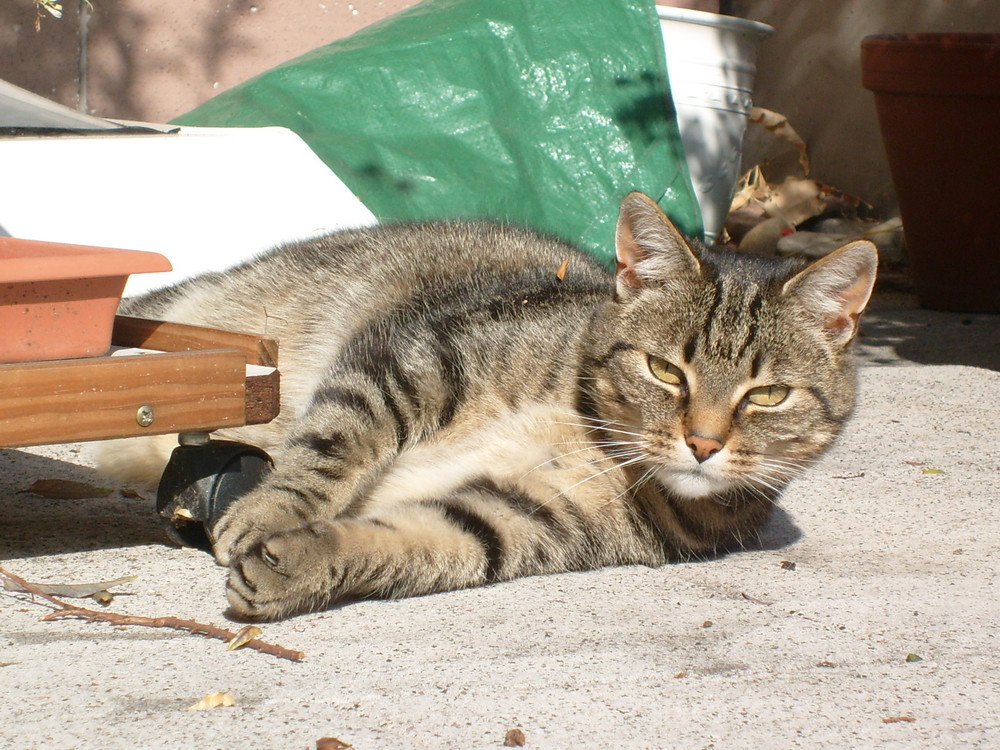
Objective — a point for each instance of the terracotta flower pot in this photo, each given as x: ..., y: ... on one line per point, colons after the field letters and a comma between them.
x: 58, y: 301
x: 938, y: 103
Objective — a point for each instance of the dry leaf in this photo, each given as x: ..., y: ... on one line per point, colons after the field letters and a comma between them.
x: 213, y: 700
x: 514, y: 738
x: 752, y: 188
x: 65, y: 489
x: 244, y: 637
x: 72, y: 590
x: 331, y: 743
x: 779, y: 125
x: 897, y: 719
x: 561, y: 271
x: 931, y: 471
x: 795, y: 200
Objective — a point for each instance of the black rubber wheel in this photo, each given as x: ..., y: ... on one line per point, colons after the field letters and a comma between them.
x: 201, y: 481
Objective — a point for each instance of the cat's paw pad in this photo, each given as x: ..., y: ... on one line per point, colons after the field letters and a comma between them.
x: 285, y: 574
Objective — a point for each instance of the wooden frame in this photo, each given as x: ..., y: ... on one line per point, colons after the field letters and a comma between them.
x: 194, y: 380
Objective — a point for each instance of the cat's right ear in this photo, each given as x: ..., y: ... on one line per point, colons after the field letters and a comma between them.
x: 648, y: 248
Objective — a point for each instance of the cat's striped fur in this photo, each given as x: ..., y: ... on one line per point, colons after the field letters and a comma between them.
x: 455, y: 411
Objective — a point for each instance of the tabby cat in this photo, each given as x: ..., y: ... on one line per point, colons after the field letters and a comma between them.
x: 465, y: 403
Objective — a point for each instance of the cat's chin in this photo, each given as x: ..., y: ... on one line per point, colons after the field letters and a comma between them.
x: 692, y: 485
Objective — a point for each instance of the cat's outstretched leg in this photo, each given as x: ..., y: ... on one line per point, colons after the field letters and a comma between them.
x: 478, y: 535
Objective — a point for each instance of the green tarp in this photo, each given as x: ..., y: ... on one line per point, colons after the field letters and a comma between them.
x: 539, y: 112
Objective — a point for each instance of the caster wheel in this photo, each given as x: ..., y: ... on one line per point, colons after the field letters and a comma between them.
x: 201, y: 481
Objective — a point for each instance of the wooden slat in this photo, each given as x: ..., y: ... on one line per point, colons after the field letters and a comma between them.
x: 176, y: 337
x: 93, y: 399
x: 262, y: 398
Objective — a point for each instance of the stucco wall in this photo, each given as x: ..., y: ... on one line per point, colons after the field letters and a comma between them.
x: 810, y: 71
x: 154, y: 61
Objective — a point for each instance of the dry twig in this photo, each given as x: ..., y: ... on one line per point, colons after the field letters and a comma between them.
x: 63, y: 610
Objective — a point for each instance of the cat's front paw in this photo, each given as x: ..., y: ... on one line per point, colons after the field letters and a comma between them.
x: 285, y: 574
x: 247, y: 523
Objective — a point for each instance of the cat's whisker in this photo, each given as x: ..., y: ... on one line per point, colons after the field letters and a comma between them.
x: 643, y: 478
x: 588, y: 447
x: 603, y: 428
x: 616, y: 466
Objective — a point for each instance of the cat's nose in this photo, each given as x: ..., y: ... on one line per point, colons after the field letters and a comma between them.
x: 703, y: 448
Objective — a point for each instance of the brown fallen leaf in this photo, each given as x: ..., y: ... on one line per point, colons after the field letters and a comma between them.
x: 243, y: 637
x: 71, y: 590
x: 514, y: 738
x: 897, y: 719
x: 754, y: 599
x: 331, y: 743
x: 779, y: 125
x: 65, y: 489
x: 561, y: 271
x: 213, y: 700
x: 131, y: 494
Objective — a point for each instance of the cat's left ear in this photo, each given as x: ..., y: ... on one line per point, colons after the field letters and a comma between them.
x: 649, y: 249
x: 836, y: 289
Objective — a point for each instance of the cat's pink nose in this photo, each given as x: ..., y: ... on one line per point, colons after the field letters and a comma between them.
x: 703, y: 448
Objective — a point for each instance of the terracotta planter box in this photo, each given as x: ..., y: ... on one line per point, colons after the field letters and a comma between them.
x: 58, y: 301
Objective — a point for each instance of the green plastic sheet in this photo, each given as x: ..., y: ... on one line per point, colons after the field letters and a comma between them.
x: 538, y: 112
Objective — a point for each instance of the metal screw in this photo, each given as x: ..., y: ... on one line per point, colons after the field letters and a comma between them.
x: 144, y: 416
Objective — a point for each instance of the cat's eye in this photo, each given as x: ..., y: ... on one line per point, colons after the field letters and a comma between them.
x: 768, y: 395
x: 664, y: 371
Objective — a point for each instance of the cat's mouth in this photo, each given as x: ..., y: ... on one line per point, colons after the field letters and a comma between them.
x: 696, y: 483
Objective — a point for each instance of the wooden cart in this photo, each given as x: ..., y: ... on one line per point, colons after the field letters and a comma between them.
x: 159, y: 378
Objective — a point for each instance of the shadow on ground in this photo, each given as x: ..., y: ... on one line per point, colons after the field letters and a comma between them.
x: 31, y: 526
x: 898, y: 332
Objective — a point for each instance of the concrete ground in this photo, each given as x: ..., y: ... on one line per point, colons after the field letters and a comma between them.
x: 868, y: 617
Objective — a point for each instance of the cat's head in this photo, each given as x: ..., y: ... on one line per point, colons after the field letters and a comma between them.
x: 726, y: 373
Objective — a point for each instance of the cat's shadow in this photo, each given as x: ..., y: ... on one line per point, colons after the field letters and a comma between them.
x: 779, y: 532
